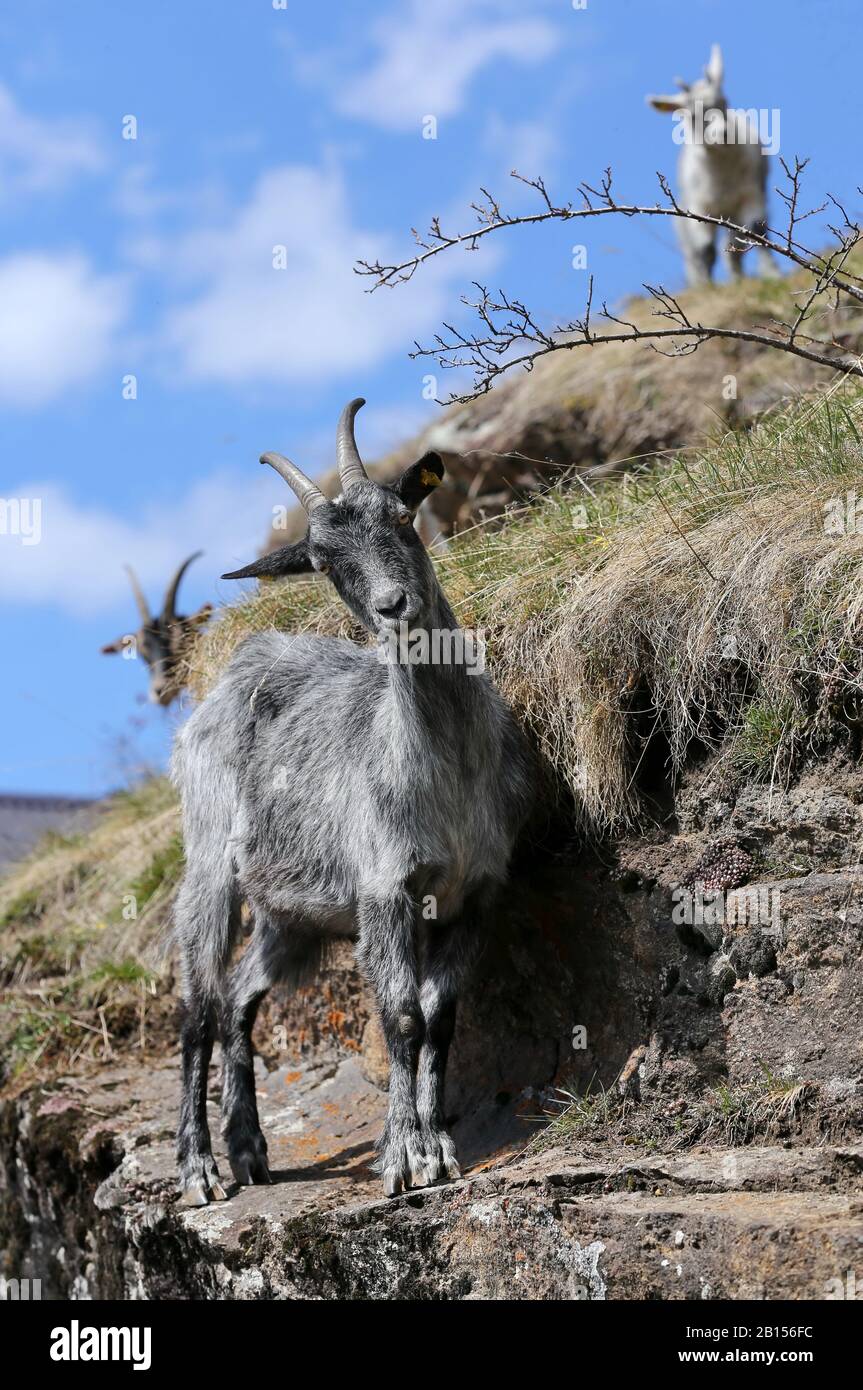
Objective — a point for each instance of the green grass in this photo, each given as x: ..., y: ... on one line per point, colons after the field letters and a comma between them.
x: 766, y: 1107
x: 161, y: 874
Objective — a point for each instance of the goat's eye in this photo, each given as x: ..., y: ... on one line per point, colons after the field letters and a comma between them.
x: 324, y: 567
x: 404, y: 518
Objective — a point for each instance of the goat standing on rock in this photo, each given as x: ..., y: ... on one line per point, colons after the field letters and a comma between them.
x: 335, y: 792
x: 722, y: 172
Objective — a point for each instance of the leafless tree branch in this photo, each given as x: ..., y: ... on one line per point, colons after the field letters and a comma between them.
x: 509, y: 335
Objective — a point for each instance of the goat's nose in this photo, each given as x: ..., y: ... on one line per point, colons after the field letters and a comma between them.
x: 388, y: 603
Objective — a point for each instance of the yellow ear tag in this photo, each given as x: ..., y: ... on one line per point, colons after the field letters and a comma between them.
x: 429, y: 479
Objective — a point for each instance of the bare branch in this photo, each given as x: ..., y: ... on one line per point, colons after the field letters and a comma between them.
x: 509, y: 335
x: 600, y: 202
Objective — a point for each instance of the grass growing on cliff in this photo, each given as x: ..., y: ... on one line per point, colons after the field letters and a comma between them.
x: 765, y: 1108
x: 81, y: 927
x: 705, y: 605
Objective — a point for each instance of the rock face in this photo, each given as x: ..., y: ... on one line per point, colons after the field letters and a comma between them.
x: 715, y: 1153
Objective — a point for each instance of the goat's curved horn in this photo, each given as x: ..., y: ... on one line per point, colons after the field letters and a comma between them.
x: 347, y: 454
x: 143, y: 606
x: 169, y: 607
x: 309, y: 494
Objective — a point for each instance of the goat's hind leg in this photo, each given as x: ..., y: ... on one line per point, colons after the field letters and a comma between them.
x: 698, y: 244
x: 199, y: 1176
x: 274, y: 954
x: 206, y: 923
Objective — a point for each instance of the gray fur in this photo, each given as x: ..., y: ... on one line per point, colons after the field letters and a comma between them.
x: 726, y: 178
x: 333, y: 791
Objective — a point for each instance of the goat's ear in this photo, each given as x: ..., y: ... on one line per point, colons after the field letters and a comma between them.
x: 715, y: 69
x: 114, y: 648
x: 415, y: 484
x: 291, y: 559
x: 201, y: 617
x: 667, y: 103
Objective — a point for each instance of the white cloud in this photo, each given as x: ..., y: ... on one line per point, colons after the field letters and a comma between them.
x: 313, y: 320
x: 80, y: 549
x: 428, y: 54
x: 42, y: 153
x: 78, y: 563
x: 58, y: 319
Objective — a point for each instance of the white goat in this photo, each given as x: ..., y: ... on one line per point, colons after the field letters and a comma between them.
x: 722, y: 172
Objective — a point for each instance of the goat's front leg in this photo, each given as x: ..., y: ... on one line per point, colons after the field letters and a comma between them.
x: 386, y: 953
x: 450, y: 953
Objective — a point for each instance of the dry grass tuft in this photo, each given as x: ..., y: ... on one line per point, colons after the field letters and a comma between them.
x: 82, y: 922
x: 700, y: 604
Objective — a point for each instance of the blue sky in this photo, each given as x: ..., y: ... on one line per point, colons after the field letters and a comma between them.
x: 299, y: 126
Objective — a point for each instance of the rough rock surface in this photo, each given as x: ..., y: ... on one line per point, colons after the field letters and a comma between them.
x: 98, y: 1218
x: 729, y: 1166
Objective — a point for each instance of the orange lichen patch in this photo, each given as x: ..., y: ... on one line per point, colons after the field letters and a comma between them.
x: 292, y: 1076
x: 485, y: 1164
x: 307, y: 1141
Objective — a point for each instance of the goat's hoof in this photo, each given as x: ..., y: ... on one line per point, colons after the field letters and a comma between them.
x: 405, y: 1165
x: 440, y: 1156
x: 195, y: 1195
x: 422, y: 1173
x: 250, y: 1169
x: 392, y: 1184
x: 200, y: 1181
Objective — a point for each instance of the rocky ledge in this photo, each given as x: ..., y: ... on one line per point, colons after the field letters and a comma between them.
x: 89, y: 1178
x: 716, y: 1150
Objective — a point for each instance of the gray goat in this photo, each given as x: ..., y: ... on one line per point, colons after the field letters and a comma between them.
x: 339, y: 793
x: 162, y: 638
x: 722, y: 172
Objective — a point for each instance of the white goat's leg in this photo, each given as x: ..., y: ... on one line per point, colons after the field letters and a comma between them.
x: 733, y: 252
x: 753, y: 219
x: 698, y: 244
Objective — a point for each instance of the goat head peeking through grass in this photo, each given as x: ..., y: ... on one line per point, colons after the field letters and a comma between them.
x: 162, y: 638
x: 338, y: 794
